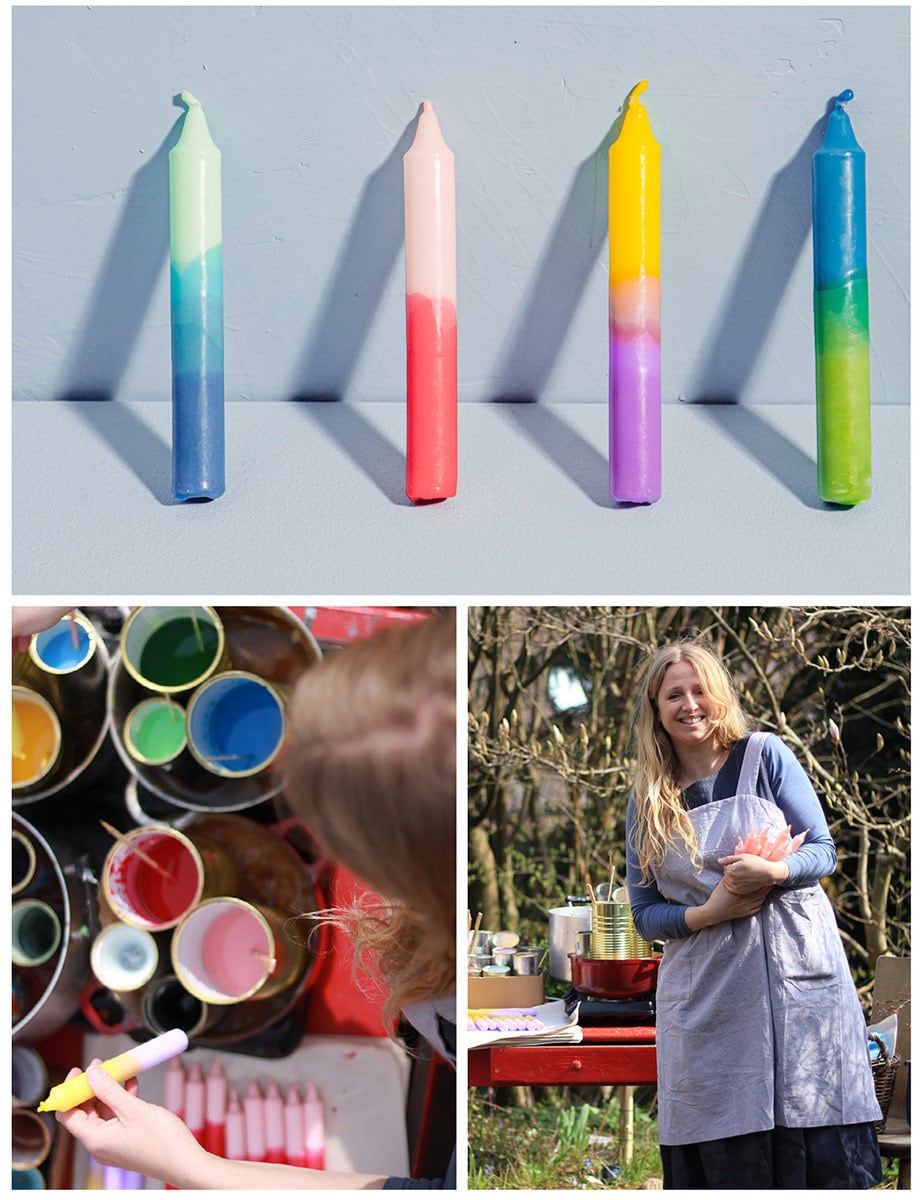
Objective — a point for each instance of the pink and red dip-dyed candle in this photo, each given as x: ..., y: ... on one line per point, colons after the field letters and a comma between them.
x: 432, y: 328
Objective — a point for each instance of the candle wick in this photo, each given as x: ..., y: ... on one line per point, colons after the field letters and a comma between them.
x: 845, y: 95
x: 189, y: 100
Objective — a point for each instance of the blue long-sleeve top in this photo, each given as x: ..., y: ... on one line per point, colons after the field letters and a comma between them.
x: 782, y: 780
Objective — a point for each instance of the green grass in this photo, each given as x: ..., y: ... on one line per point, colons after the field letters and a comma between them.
x: 556, y: 1145
x: 550, y: 1146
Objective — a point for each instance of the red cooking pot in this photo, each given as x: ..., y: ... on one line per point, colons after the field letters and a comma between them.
x: 614, y: 978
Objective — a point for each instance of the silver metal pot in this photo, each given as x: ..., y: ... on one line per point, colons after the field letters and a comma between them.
x: 563, y: 926
x: 50, y: 994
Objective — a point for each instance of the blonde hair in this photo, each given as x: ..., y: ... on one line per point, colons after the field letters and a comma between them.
x: 370, y: 765
x: 660, y: 816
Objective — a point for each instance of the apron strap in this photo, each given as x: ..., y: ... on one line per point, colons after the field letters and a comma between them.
x: 750, y: 767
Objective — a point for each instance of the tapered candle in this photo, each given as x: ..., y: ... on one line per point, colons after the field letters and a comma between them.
x: 432, y: 328
x: 255, y: 1122
x: 274, y: 1117
x: 174, y: 1088
x: 216, y: 1096
x: 295, y: 1154
x: 313, y: 1128
x: 634, y: 308
x: 235, y: 1130
x: 841, y: 314
x: 195, y: 1103
x: 197, y: 310
x: 71, y: 1092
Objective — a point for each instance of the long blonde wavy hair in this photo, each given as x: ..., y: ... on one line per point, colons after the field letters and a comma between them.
x: 660, y: 816
x: 369, y: 764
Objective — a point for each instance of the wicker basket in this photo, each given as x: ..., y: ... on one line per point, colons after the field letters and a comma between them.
x: 884, y: 1073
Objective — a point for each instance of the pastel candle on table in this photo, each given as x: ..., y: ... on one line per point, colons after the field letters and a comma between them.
x: 274, y: 1118
x: 216, y: 1096
x: 255, y: 1123
x: 72, y: 1092
x: 295, y: 1154
x: 174, y: 1088
x: 197, y: 310
x: 235, y: 1130
x: 841, y: 314
x: 634, y: 309
x: 432, y: 327
x: 313, y: 1128
x: 195, y: 1103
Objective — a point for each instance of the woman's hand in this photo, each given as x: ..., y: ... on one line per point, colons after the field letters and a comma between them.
x: 745, y: 873
x: 121, y: 1130
x: 725, y: 905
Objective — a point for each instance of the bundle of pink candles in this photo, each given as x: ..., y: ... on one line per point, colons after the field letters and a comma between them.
x: 260, y: 1126
x: 769, y: 845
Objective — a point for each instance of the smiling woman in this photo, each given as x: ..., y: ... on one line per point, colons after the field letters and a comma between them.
x: 739, y: 930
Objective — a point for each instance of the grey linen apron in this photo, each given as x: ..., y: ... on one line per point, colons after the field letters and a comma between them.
x: 758, y: 1021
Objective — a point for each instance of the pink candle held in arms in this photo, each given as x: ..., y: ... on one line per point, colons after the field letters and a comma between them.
x: 432, y: 329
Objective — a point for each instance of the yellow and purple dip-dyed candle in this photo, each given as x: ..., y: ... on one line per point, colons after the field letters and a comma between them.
x: 634, y: 308
x: 196, y: 310
x: 841, y: 314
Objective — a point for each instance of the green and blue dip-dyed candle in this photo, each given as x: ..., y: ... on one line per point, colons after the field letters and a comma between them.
x: 196, y: 310
x: 841, y: 314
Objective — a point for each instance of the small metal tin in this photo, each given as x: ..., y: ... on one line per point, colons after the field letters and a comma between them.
x: 526, y: 960
x: 495, y: 970
x: 503, y: 957
x: 505, y: 939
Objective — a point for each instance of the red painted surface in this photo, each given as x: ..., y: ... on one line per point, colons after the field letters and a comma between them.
x: 616, y: 1056
x: 432, y: 398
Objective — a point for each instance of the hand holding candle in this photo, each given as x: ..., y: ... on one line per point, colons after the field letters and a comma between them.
x: 197, y: 310
x: 634, y: 309
x: 432, y: 331
x: 841, y: 314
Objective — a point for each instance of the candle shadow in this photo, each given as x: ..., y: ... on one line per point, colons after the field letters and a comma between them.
x: 739, y: 332
x: 112, y: 319
x: 546, y: 314
x: 351, y: 299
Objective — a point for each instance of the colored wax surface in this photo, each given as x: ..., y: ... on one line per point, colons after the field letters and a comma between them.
x: 175, y: 653
x: 236, y: 716
x: 39, y: 738
x: 432, y: 336
x: 432, y: 395
x: 157, y: 732
x: 149, y: 894
x: 55, y: 646
x: 230, y: 949
x: 196, y: 309
x: 841, y: 317
x: 634, y: 309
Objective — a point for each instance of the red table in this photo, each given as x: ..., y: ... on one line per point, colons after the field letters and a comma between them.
x: 623, y: 1055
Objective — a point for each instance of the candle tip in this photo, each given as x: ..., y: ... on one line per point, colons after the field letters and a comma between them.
x: 427, y: 106
x: 845, y: 95
x: 189, y: 100
x: 636, y: 91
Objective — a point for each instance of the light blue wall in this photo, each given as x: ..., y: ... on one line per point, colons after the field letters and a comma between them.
x: 312, y: 108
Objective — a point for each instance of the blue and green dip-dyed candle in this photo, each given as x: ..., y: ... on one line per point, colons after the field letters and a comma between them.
x: 841, y: 314
x: 196, y: 310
